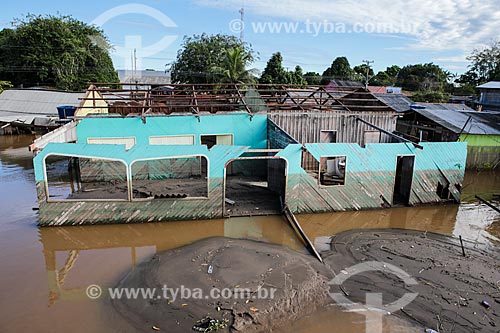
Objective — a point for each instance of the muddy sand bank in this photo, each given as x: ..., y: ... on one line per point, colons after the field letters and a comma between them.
x: 242, y: 266
x: 455, y: 293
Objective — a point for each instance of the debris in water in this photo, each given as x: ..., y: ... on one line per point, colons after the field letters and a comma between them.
x: 155, y: 328
x: 485, y: 304
x: 253, y: 309
x: 210, y: 269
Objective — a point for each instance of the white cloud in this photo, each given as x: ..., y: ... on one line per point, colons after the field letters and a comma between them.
x: 457, y: 59
x: 436, y: 25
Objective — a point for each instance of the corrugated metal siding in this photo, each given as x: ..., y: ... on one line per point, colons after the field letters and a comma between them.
x: 306, y: 127
x: 370, y: 175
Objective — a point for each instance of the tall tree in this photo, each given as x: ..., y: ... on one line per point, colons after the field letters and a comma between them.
x: 312, y: 78
x: 233, y: 68
x: 297, y: 77
x: 55, y: 51
x: 485, y: 66
x: 274, y: 71
x: 199, y: 54
x: 423, y: 77
x: 387, y: 77
x: 339, y: 69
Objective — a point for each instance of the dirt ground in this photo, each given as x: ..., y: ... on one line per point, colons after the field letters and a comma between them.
x: 455, y: 293
x: 299, y: 281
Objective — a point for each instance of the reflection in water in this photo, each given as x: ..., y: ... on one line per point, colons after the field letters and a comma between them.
x: 136, y: 242
x: 45, y: 278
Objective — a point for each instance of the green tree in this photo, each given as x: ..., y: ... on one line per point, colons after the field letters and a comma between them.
x: 485, y: 66
x: 431, y: 97
x: 233, y: 69
x: 274, y: 71
x: 61, y: 52
x: 423, y: 77
x: 297, y: 77
x: 5, y: 84
x: 387, y: 77
x: 200, y: 54
x: 312, y: 78
x: 339, y: 69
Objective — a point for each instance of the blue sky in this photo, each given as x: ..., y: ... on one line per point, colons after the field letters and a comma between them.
x: 307, y: 33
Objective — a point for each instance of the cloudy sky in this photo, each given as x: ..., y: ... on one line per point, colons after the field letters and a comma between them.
x: 307, y: 33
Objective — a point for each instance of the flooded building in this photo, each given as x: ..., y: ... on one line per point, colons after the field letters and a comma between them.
x: 208, y: 152
x: 436, y: 122
x: 489, y: 96
x: 29, y: 110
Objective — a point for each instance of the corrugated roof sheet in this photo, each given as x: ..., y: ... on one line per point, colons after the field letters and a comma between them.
x: 490, y: 85
x: 144, y: 77
x: 26, y: 104
x: 454, y: 120
x: 399, y: 102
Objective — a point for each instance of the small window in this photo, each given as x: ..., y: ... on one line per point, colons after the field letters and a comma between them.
x: 371, y: 137
x: 172, y: 140
x: 328, y: 136
x: 128, y: 142
x: 443, y: 191
x: 332, y: 170
x: 216, y: 139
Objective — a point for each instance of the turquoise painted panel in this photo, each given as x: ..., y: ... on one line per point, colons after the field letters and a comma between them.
x: 217, y: 156
x: 246, y: 132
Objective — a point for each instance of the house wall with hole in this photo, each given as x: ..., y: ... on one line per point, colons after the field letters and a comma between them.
x: 370, y: 174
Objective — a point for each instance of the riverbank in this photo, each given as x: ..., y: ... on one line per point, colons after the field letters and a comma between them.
x: 455, y: 293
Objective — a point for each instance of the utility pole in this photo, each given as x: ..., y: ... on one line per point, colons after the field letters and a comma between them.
x: 242, y: 19
x: 367, y: 62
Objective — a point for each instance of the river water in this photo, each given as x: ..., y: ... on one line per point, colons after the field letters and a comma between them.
x: 45, y: 271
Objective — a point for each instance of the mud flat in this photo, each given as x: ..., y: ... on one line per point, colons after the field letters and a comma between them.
x: 299, y: 281
x: 455, y: 293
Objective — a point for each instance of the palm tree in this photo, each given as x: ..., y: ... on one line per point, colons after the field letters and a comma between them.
x: 233, y: 68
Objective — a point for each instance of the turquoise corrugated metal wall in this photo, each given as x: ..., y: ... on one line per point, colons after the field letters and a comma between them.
x: 246, y: 133
x: 370, y: 174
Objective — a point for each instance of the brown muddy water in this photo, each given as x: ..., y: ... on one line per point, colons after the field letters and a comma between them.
x: 45, y: 271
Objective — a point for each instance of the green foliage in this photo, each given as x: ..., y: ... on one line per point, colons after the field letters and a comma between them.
x: 233, y: 69
x: 464, y: 89
x: 5, y: 84
x: 423, y: 77
x: 485, y: 66
x: 431, y: 97
x: 55, y: 51
x: 339, y: 69
x: 387, y: 77
x: 274, y: 73
x: 201, y: 54
x: 312, y: 78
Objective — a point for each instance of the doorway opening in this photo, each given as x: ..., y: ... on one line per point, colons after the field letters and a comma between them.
x: 254, y: 186
x: 403, y: 180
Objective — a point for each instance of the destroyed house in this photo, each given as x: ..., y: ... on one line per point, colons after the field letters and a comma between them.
x: 202, y: 152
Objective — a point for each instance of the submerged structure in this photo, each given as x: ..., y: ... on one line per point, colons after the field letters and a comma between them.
x: 200, y: 152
